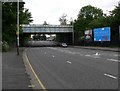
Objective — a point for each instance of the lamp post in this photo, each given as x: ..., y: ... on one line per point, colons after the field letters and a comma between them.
x: 17, y: 32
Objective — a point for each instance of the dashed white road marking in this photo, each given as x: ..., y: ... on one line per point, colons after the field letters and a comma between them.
x: 67, y: 51
x: 115, y: 55
x: 78, y: 53
x: 92, y: 56
x: 110, y: 76
x: 31, y: 86
x: 87, y: 55
x: 53, y: 56
x: 114, y: 60
x: 69, y: 62
x: 97, y: 53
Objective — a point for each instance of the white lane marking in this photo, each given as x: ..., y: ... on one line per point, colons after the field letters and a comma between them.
x: 110, y: 76
x: 31, y: 86
x: 115, y: 55
x: 93, y: 56
x: 97, y: 53
x: 53, y: 56
x: 114, y: 60
x: 69, y: 62
x: 67, y: 51
x: 88, y: 55
x: 78, y: 53
x: 96, y: 57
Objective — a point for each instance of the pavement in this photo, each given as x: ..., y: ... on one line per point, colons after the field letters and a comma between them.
x: 14, y: 76
x: 98, y: 48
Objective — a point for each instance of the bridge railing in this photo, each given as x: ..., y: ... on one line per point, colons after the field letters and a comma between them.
x: 47, y: 29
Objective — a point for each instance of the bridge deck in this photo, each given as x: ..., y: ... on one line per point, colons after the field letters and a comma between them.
x: 47, y: 29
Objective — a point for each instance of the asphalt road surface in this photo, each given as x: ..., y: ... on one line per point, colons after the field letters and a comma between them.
x: 42, y: 43
x: 74, y: 68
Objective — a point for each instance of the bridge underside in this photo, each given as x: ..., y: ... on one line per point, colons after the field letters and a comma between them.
x: 60, y: 37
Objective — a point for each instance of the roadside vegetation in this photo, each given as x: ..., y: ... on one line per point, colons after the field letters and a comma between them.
x: 9, y: 23
x: 89, y: 17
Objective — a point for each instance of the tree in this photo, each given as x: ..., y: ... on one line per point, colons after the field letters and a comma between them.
x: 63, y: 20
x: 45, y: 23
x: 115, y: 23
x: 88, y: 14
x: 88, y: 18
x: 71, y: 21
x: 9, y: 20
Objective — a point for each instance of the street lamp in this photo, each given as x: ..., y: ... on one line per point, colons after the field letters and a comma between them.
x: 17, y: 32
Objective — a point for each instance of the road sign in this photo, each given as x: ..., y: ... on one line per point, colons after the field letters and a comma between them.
x: 102, y: 34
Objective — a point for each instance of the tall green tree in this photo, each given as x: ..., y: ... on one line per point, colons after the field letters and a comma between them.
x: 115, y: 23
x: 89, y: 12
x: 88, y: 18
x: 9, y: 20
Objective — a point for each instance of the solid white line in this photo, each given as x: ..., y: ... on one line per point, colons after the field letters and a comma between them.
x: 114, y: 60
x: 69, y: 62
x: 110, y: 76
x: 88, y: 55
x: 53, y: 56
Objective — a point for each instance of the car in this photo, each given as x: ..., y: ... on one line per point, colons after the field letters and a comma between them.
x: 64, y: 45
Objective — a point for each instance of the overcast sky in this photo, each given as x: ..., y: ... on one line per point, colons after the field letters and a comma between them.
x: 51, y: 10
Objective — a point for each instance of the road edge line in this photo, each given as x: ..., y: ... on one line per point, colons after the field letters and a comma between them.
x: 37, y: 78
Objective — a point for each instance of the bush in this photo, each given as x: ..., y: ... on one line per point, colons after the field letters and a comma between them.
x: 5, y: 46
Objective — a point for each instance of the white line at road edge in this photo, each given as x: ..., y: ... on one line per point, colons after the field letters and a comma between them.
x: 110, y: 76
x: 69, y: 62
x: 114, y: 60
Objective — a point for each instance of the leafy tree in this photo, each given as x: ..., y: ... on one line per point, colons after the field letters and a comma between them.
x: 45, y: 23
x: 89, y: 12
x: 9, y: 20
x: 115, y: 22
x: 63, y: 20
x: 89, y: 17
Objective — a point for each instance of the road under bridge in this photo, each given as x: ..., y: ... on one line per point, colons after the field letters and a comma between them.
x: 64, y: 32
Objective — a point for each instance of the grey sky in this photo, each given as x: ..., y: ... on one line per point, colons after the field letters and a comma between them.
x: 51, y: 10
